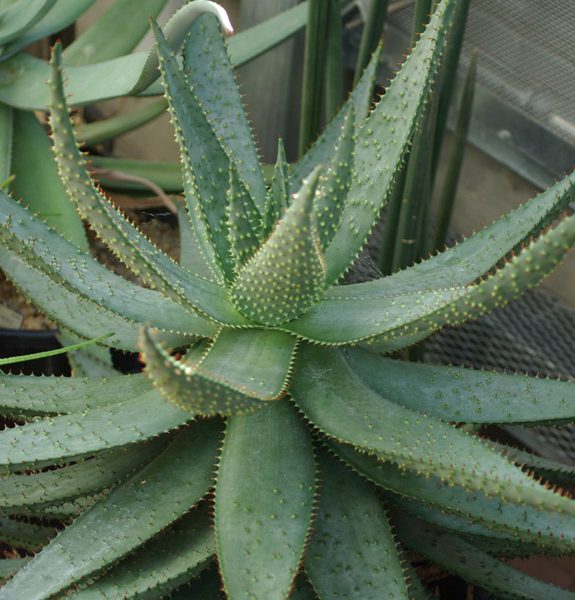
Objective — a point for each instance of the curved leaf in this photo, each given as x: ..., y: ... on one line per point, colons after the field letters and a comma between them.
x: 130, y: 514
x: 334, y: 399
x: 173, y: 557
x: 242, y: 370
x: 474, y: 565
x: 466, y: 395
x: 69, y: 437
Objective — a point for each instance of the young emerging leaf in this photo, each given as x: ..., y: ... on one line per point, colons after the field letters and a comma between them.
x: 278, y: 198
x: 287, y: 274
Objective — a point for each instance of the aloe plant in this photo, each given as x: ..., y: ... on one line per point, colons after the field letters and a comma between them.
x: 269, y: 429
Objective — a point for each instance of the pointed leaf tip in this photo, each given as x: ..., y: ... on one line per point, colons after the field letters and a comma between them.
x: 287, y: 275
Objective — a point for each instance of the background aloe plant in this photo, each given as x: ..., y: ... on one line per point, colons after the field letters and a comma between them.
x: 278, y: 438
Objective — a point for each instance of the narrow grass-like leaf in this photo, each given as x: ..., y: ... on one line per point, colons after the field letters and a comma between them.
x: 466, y: 395
x: 264, y: 501
x: 373, y: 25
x: 172, y: 558
x: 334, y: 399
x: 68, y: 437
x: 130, y: 514
x: 352, y: 553
x: 287, y: 274
x: 333, y: 85
x: 476, y: 566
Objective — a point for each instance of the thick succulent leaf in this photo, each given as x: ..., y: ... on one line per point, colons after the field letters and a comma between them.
x: 6, y: 138
x: 45, y: 250
x: 22, y: 395
x: 20, y: 16
x: 475, y: 566
x: 67, y: 309
x: 113, y: 35
x: 203, y: 164
x: 208, y: 69
x: 385, y: 137
x: 337, y: 319
x: 522, y: 272
x: 556, y: 472
x: 36, y: 182
x: 335, y: 182
x: 322, y: 150
x: 25, y: 77
x: 278, y: 198
x: 127, y: 243
x: 60, y: 16
x: 548, y: 530
x: 129, y: 515
x: 243, y: 222
x: 336, y: 401
x: 352, y: 553
x: 66, y: 510
x: 69, y: 437
x: 166, y: 562
x: 9, y: 566
x: 287, y: 274
x: 406, y: 315
x: 28, y: 536
x: 79, y: 479
x: 264, y: 501
x: 242, y: 370
x: 465, y: 395
x: 464, y: 263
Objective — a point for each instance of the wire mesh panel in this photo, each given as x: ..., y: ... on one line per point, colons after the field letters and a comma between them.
x: 527, y: 63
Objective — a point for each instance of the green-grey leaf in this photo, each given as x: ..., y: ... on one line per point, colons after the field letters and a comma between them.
x: 385, y: 138
x: 336, y: 401
x: 548, y: 530
x: 352, y: 553
x: 264, y: 502
x: 20, y: 16
x: 466, y: 395
x: 208, y: 69
x: 242, y: 370
x: 79, y: 479
x: 25, y: 535
x: 130, y: 514
x: 69, y: 437
x: 279, y: 194
x: 113, y: 35
x: 287, y: 274
x: 172, y: 558
x: 476, y: 566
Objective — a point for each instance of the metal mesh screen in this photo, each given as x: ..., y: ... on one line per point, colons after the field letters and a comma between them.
x: 524, y: 108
